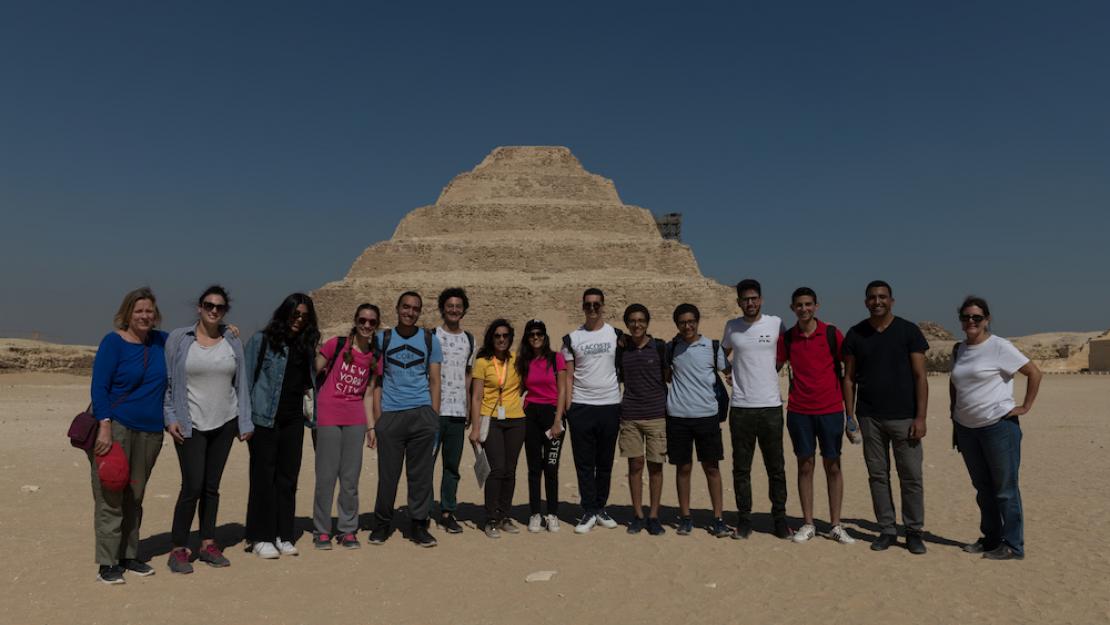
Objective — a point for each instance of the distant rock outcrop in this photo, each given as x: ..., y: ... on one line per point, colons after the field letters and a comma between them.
x: 28, y: 355
x: 524, y: 233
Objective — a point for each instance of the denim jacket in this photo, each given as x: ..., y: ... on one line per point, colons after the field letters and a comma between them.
x: 175, y: 403
x: 265, y: 391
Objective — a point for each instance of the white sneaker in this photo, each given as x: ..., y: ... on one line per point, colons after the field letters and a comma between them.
x: 535, y: 523
x: 804, y: 533
x: 286, y: 548
x: 552, y: 523
x: 586, y: 524
x: 840, y: 535
x: 606, y: 521
x: 266, y: 551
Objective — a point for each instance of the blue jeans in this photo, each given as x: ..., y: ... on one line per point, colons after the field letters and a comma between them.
x: 993, y: 455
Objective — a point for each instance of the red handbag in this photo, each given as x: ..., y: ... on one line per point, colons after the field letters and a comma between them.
x: 83, y: 429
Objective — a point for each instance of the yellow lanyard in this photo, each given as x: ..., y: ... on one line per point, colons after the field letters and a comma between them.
x: 502, y: 375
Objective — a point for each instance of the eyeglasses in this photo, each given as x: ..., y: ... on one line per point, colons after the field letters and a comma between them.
x: 972, y: 318
x: 500, y: 335
x: 214, y: 307
x: 366, y: 321
x: 687, y: 322
x: 588, y: 306
x: 296, y: 315
x: 536, y: 335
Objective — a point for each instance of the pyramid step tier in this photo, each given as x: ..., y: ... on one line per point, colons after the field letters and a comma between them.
x: 667, y: 258
x: 461, y: 219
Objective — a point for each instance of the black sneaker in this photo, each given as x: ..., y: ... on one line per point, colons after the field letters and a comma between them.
x: 420, y: 534
x: 915, y: 544
x: 654, y: 527
x: 322, y: 542
x: 381, y: 533
x: 685, y: 526
x: 884, y: 542
x: 979, y: 546
x: 782, y: 530
x: 743, y: 531
x: 636, y: 525
x: 138, y: 567
x: 1003, y: 552
x: 349, y: 541
x: 450, y: 524
x: 110, y: 574
x: 718, y: 529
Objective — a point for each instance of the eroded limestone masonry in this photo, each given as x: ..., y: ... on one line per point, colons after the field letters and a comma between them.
x: 524, y: 233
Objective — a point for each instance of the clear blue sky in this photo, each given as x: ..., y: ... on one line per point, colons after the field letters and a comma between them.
x: 947, y: 147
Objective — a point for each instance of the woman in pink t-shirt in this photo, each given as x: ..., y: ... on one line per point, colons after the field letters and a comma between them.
x: 545, y: 382
x: 346, y: 365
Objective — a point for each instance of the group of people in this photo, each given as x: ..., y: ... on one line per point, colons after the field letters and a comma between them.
x: 416, y: 394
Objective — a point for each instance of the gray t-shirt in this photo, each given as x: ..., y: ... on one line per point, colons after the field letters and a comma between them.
x: 458, y: 358
x: 693, y: 367
x: 210, y: 375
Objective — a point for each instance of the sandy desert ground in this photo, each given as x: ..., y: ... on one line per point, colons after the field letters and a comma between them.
x: 604, y: 577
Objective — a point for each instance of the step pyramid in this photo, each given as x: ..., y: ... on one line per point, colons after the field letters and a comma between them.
x: 525, y: 232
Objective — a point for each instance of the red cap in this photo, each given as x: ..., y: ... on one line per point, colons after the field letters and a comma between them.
x: 113, y: 469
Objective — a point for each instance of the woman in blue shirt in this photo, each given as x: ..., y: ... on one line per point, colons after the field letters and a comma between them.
x: 128, y: 383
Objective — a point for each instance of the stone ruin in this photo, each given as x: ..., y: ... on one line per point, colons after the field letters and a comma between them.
x: 525, y: 232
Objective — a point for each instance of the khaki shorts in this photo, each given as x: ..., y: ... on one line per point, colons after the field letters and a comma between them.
x: 638, y: 434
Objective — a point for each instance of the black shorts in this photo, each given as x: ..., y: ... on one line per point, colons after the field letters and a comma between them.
x: 685, y: 433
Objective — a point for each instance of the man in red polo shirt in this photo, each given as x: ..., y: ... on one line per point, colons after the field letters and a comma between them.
x: 815, y: 410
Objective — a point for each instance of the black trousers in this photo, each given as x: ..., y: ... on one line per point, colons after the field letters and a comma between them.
x: 274, y: 468
x: 506, y: 437
x: 543, y: 455
x: 593, y: 439
x: 202, y: 458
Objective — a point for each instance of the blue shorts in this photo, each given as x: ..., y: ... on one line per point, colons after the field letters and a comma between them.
x: 806, y: 430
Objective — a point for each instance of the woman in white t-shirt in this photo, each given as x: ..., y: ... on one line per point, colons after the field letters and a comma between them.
x: 988, y: 432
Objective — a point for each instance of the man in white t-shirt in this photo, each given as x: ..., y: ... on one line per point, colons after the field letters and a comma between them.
x: 755, y: 409
x: 594, y: 413
x: 458, y: 358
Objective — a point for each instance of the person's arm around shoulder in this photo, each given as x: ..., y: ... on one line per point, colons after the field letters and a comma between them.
x: 434, y: 369
x: 921, y: 392
x: 477, y: 389
x: 169, y: 414
x: 242, y: 394
x: 917, y: 347
x: 375, y: 412
x: 780, y: 348
x: 562, y: 384
x: 568, y: 357
x: 104, y: 369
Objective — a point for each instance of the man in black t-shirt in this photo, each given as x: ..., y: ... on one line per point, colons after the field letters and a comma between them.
x: 885, y: 386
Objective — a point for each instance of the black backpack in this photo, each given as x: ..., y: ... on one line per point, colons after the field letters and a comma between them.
x: 322, y: 374
x: 830, y: 336
x: 388, y: 334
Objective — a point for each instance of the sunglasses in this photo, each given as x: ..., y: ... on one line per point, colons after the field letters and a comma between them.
x: 536, y: 335
x: 295, y: 315
x: 972, y: 318
x: 214, y: 307
x: 592, y: 305
x: 365, y: 321
x: 500, y: 335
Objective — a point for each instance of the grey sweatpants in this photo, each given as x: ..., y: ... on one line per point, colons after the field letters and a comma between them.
x: 118, y: 515
x: 406, y: 439
x: 879, y: 436
x: 338, y: 456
